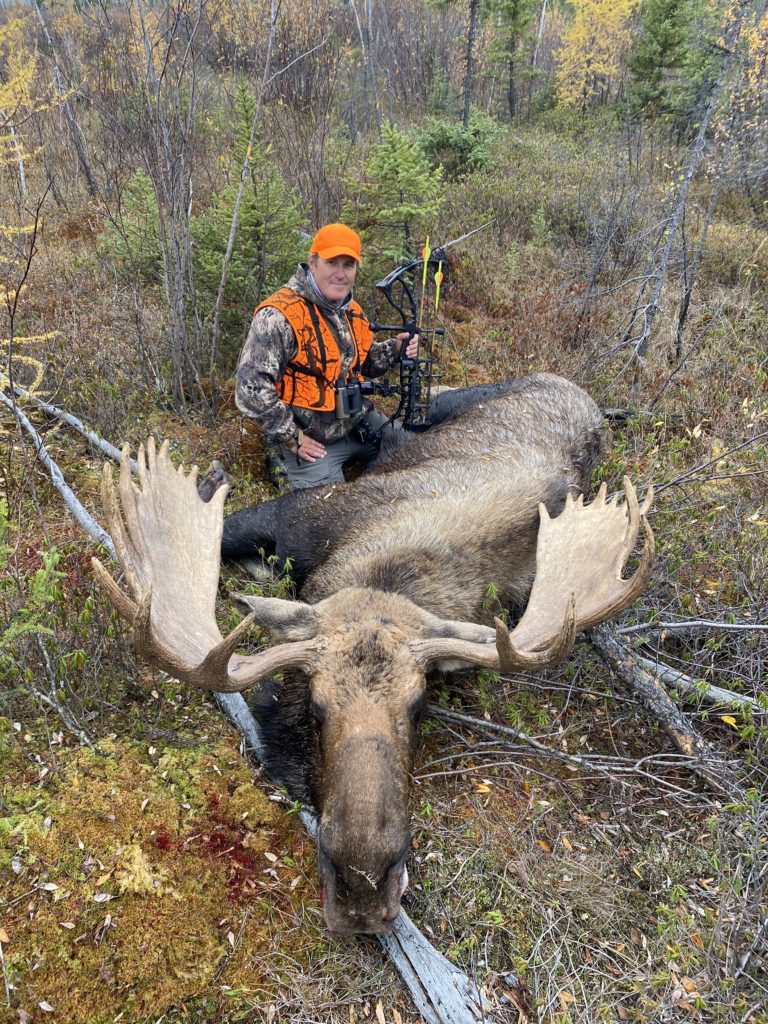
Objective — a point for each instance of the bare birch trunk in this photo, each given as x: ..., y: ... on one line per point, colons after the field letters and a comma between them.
x: 539, y: 34
x: 18, y: 151
x: 167, y: 158
x: 75, y: 131
x: 265, y: 80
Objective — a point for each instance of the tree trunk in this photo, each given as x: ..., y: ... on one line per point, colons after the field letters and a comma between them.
x: 511, y: 84
x: 75, y: 130
x: 539, y: 34
x: 19, y: 152
x: 172, y: 106
x: 474, y: 7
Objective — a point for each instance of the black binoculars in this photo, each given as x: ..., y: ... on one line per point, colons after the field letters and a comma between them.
x: 349, y: 398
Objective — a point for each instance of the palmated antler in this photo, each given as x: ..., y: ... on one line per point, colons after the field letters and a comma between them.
x: 580, y: 556
x: 168, y: 541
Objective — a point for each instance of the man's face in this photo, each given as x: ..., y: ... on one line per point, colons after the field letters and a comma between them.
x: 335, y: 277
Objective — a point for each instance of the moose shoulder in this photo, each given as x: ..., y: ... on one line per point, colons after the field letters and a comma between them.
x: 393, y: 573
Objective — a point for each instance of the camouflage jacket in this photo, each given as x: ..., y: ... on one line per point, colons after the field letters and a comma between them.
x: 271, y: 345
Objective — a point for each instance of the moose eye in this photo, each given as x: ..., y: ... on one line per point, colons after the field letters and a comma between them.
x: 401, y: 858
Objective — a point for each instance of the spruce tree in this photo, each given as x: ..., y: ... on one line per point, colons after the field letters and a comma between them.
x: 673, y: 62
x: 656, y: 60
x: 399, y: 198
x: 268, y: 242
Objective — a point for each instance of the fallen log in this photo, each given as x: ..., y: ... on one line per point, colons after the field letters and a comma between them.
x: 697, y: 687
x: 66, y: 417
x: 78, y: 510
x: 705, y: 762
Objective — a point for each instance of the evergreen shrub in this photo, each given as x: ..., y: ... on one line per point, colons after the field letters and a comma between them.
x: 397, y: 201
x: 459, y: 150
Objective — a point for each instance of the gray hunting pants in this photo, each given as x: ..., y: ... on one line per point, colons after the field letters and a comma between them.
x: 328, y: 469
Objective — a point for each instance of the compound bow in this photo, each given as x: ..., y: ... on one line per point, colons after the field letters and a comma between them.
x: 400, y: 288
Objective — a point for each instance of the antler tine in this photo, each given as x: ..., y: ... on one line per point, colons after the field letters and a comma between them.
x: 124, y: 605
x: 113, y: 505
x: 168, y: 542
x: 580, y: 556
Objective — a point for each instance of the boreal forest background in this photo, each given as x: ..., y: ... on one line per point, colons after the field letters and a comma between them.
x: 162, y: 166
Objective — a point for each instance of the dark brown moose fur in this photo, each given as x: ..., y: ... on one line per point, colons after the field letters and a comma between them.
x: 384, y: 561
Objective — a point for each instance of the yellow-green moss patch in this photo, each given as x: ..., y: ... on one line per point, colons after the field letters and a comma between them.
x: 138, y: 878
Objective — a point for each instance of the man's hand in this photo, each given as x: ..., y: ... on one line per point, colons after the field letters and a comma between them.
x: 413, y: 345
x: 309, y: 450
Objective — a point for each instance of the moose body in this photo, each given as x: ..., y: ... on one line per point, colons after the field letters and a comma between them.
x: 443, y: 514
x: 393, y: 572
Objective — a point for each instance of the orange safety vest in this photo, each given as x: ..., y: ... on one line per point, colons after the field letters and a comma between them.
x: 311, y: 376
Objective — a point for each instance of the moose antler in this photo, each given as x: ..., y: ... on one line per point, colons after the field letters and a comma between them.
x: 580, y: 556
x: 168, y: 541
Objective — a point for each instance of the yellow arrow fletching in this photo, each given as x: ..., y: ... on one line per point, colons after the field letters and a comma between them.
x: 438, y: 282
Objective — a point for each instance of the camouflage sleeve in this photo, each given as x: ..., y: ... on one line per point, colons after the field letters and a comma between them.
x: 270, y: 345
x: 382, y: 356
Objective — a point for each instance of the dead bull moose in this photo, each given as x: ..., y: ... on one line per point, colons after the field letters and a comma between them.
x: 394, y: 569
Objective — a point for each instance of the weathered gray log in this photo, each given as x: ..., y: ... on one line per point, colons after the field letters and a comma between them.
x: 81, y: 514
x: 697, y: 688
x: 706, y: 763
x: 66, y: 417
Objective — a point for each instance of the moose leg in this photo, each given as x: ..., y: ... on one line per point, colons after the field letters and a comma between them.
x: 249, y: 531
x: 452, y: 402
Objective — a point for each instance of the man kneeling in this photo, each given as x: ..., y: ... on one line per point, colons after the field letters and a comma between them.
x: 302, y: 364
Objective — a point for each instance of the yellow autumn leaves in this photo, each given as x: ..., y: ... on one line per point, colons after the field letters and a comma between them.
x: 593, y: 50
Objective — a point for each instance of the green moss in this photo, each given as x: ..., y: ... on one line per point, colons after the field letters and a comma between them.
x: 123, y: 900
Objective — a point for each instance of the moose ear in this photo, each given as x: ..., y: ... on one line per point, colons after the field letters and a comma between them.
x: 288, y: 620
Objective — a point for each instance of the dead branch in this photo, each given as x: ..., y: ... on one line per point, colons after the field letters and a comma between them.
x: 690, y: 624
x: 481, y: 725
x: 617, y: 769
x: 75, y: 130
x: 53, y: 410
x: 692, y: 475
x: 661, y: 708
x: 695, y: 687
x: 638, y: 331
x: 80, y: 513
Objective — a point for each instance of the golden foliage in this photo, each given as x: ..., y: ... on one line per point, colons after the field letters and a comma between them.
x: 593, y: 49
x: 19, y: 68
x: 757, y: 62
